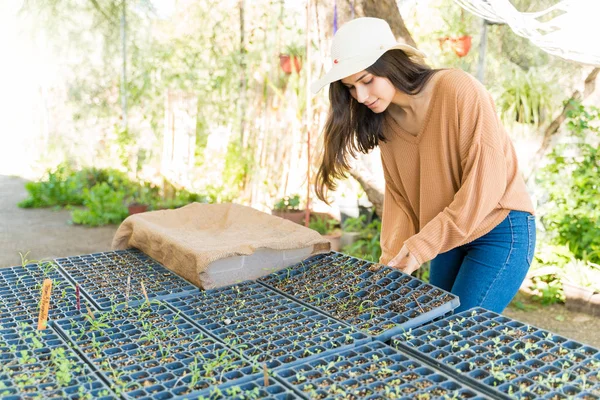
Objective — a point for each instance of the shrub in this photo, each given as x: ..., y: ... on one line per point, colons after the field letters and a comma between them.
x: 572, y: 182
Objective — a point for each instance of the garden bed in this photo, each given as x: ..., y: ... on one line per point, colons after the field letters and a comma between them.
x: 267, y: 326
x: 103, y: 278
x: 505, y: 357
x: 375, y: 299
x: 374, y: 371
x: 153, y: 352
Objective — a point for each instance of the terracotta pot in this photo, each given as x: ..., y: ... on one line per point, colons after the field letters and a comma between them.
x: 335, y: 240
x: 136, y: 208
x: 294, y: 216
x: 461, y: 45
x: 285, y: 61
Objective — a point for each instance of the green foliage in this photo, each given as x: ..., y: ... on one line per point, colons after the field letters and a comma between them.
x: 547, y: 290
x: 60, y: 188
x: 572, y: 181
x: 105, y: 194
x: 367, y: 246
x: 288, y: 203
x: 104, y: 205
x: 181, y: 198
x: 354, y: 224
x: 525, y: 97
x: 323, y: 225
x: 65, y: 187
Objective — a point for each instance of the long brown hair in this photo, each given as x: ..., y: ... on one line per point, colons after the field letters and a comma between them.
x: 352, y: 127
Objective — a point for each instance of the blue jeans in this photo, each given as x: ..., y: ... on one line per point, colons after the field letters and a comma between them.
x: 488, y: 271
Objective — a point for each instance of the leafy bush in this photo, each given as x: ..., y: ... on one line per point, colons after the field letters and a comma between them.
x: 65, y: 187
x: 60, y: 188
x: 104, y: 205
x: 367, y: 246
x: 324, y: 226
x: 525, y: 97
x: 572, y: 181
x: 354, y: 224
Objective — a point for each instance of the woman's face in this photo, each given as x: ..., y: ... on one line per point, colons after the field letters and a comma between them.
x: 373, y: 91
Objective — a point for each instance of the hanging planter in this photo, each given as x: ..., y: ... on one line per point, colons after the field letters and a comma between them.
x: 456, y: 33
x: 291, y: 59
x: 461, y: 45
x: 289, y: 63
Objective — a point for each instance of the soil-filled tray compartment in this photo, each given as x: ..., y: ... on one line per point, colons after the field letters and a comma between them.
x: 39, y: 364
x: 20, y: 293
x: 153, y: 352
x: 508, y: 358
x: 103, y: 278
x: 375, y: 299
x: 265, y: 325
x: 372, y: 371
x: 255, y: 389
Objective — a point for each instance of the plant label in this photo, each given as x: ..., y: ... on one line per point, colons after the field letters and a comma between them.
x: 45, y: 304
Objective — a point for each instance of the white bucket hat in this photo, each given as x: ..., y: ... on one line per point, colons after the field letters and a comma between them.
x: 357, y: 45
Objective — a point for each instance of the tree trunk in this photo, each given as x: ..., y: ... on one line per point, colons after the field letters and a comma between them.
x: 384, y: 9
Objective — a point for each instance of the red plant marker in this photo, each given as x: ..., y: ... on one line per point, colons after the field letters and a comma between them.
x: 77, y: 295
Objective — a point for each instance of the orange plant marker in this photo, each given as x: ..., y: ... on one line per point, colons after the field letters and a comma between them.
x: 45, y: 304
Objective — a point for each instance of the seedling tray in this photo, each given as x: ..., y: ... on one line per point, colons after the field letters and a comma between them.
x: 372, y: 371
x: 375, y: 299
x: 153, y: 352
x: 20, y: 293
x: 255, y: 389
x: 505, y: 357
x: 39, y: 364
x: 102, y: 277
x: 267, y: 326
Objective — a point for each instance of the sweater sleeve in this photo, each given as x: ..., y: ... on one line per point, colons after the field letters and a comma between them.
x: 396, y: 223
x: 483, y: 180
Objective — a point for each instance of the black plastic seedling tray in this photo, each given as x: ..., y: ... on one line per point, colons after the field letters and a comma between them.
x: 153, y: 352
x: 505, y: 357
x: 20, y: 293
x: 39, y: 364
x: 255, y: 389
x: 265, y: 325
x: 103, y: 278
x: 372, y: 371
x: 375, y: 299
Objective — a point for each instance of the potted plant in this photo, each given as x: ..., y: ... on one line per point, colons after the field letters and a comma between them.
x: 288, y: 207
x: 291, y: 59
x: 457, y: 35
x: 139, y: 202
x: 329, y: 228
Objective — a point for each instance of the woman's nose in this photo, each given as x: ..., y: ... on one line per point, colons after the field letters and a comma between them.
x: 361, y: 94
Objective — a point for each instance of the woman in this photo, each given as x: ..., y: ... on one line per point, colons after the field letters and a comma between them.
x: 453, y: 192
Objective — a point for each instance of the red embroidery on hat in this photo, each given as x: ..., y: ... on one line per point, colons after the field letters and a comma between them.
x: 335, y: 61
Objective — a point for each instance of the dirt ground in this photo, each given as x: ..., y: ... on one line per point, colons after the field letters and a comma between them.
x: 47, y: 233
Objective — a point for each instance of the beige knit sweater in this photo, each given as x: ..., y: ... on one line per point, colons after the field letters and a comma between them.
x: 455, y: 180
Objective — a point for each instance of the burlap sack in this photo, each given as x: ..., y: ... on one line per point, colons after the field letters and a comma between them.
x: 188, y: 239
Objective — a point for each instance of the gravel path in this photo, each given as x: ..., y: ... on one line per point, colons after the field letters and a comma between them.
x: 47, y: 234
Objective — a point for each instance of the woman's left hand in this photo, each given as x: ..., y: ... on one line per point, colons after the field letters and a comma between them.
x: 404, y: 261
